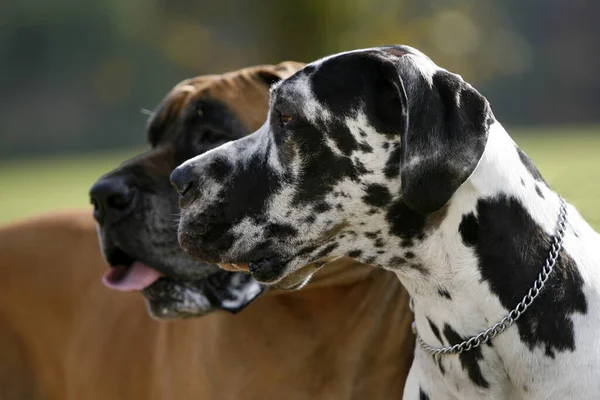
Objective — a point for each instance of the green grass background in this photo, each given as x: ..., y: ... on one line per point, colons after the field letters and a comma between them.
x: 568, y: 158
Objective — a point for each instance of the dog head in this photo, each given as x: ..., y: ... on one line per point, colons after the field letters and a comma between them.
x: 358, y: 152
x: 136, y: 208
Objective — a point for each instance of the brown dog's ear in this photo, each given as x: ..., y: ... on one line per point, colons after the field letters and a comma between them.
x: 446, y: 134
x: 271, y: 74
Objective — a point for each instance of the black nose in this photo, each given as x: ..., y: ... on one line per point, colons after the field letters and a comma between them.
x: 112, y: 198
x: 182, y: 179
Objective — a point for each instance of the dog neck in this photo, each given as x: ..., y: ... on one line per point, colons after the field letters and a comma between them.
x: 456, y: 283
x: 505, y: 183
x: 486, y: 253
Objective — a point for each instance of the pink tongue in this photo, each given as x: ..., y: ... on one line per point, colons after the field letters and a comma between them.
x: 137, y: 277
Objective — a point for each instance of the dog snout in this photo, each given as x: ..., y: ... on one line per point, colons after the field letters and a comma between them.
x: 111, y: 197
x: 182, y: 179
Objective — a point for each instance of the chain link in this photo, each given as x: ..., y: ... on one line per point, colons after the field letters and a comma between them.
x: 508, y: 320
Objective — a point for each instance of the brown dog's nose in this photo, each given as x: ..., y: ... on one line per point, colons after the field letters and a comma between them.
x: 111, y: 198
x: 182, y: 179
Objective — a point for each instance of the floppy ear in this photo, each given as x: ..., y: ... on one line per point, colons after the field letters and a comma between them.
x: 231, y: 291
x: 271, y: 74
x: 445, y: 137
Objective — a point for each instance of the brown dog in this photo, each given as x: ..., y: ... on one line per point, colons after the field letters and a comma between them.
x: 64, y: 336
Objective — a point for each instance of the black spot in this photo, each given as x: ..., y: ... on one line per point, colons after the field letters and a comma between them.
x: 407, y: 243
x: 530, y: 166
x: 360, y: 167
x: 444, y: 293
x: 435, y: 330
x: 321, y: 207
x: 469, y: 360
x: 385, y: 145
x: 220, y: 168
x: 377, y: 195
x: 370, y: 260
x: 420, y: 268
x: 321, y: 168
x: 392, y: 165
x: 522, y: 182
x: 341, y: 135
x: 280, y: 230
x: 339, y: 206
x: 539, y: 191
x: 409, y: 255
x: 354, y: 253
x: 326, y: 250
x: 372, y: 211
x: 397, y: 262
x: 310, y: 219
x: 422, y: 394
x: 372, y: 235
x: 404, y: 222
x: 469, y: 229
x: 379, y: 243
x: 365, y: 147
x: 440, y: 365
x: 511, y: 249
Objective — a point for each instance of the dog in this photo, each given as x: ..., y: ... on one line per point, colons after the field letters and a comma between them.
x: 63, y: 335
x: 382, y: 156
x: 137, y: 212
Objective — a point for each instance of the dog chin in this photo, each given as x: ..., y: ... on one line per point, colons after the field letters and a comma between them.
x: 292, y: 274
x: 168, y: 299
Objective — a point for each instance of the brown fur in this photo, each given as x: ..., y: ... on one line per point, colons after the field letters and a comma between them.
x: 64, y: 336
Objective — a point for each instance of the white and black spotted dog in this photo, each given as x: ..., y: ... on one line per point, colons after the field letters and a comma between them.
x: 382, y: 156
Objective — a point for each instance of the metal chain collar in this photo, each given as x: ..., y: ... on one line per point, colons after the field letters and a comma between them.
x: 514, y: 315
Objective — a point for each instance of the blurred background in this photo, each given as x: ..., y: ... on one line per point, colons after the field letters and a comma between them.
x: 75, y: 75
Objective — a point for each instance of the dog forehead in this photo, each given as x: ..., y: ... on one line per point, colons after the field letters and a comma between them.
x: 240, y: 92
x: 297, y: 93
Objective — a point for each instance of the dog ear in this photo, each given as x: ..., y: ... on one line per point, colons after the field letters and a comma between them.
x: 271, y: 74
x: 444, y: 138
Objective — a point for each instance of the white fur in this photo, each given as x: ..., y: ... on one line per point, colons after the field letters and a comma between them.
x: 512, y: 370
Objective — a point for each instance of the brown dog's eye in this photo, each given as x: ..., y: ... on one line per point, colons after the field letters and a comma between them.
x: 285, y: 119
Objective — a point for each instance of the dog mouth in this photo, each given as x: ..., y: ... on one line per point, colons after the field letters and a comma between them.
x: 291, y: 272
x: 126, y: 274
